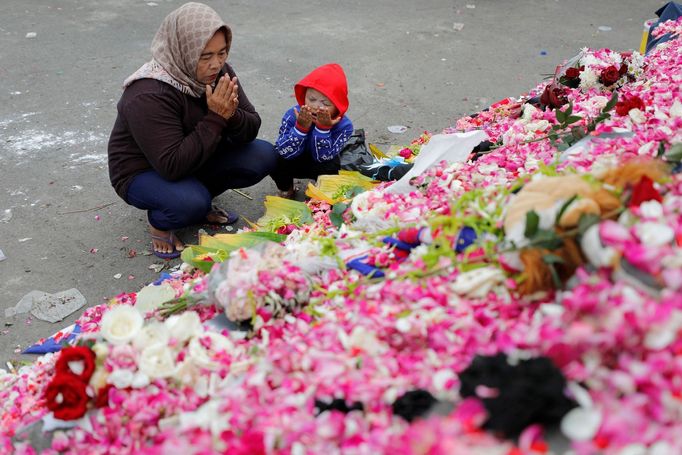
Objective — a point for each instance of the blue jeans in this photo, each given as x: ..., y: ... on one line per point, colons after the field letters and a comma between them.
x: 182, y: 203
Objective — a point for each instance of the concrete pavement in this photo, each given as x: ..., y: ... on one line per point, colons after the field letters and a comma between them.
x: 408, y: 63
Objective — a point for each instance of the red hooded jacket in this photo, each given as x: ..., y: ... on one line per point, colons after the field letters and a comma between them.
x: 330, y: 80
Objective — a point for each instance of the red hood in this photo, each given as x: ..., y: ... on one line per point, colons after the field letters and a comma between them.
x: 329, y: 80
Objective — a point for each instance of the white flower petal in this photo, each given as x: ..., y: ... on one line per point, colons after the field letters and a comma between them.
x: 581, y: 424
x: 655, y: 234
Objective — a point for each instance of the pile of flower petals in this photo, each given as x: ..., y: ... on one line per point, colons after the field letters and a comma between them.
x: 369, y: 342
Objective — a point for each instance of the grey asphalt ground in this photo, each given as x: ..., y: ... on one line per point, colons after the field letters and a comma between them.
x: 61, y: 224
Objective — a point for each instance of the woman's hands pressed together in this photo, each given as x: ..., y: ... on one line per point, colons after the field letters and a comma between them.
x: 224, y: 99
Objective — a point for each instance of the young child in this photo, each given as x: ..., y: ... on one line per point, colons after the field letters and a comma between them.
x: 313, y: 133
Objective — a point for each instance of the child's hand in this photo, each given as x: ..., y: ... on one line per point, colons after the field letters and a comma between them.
x: 305, y: 117
x: 324, y: 118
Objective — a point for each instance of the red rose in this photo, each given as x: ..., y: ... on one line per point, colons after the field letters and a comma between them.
x: 609, y: 76
x: 66, y: 397
x: 627, y: 103
x: 644, y: 191
x: 78, y: 361
x: 553, y: 96
x: 573, y: 73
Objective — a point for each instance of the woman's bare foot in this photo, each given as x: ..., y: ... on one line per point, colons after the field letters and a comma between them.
x: 165, y: 242
x: 219, y: 215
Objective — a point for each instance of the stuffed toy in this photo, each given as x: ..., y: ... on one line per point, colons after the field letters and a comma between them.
x: 559, y: 203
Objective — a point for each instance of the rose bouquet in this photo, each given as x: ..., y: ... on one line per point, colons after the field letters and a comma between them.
x: 259, y: 280
x: 603, y: 69
x: 129, y: 353
x: 69, y: 392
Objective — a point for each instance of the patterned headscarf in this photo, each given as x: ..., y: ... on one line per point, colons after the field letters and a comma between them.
x: 177, y: 46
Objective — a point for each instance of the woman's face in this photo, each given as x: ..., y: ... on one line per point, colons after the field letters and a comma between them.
x: 212, y: 58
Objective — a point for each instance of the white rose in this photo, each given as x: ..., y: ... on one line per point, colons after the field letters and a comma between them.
x: 676, y: 109
x: 202, y: 349
x: 588, y: 79
x: 184, y: 326
x: 121, y: 379
x: 121, y: 324
x: 151, y: 334
x: 156, y: 361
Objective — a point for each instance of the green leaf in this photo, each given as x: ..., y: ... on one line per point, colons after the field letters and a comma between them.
x: 336, y: 217
x: 354, y: 191
x: 403, y: 314
x: 195, y: 255
x: 532, y: 223
x: 586, y: 221
x: 560, y: 116
x: 674, y: 154
x: 563, y: 208
x: 552, y: 259
x: 572, y: 119
x: 548, y: 239
x: 555, y: 275
x: 611, y: 104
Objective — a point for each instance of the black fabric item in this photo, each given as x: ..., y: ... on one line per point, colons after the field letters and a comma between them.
x: 480, y: 150
x: 354, y: 154
x: 388, y: 173
x: 669, y: 11
x: 535, y: 102
x: 338, y: 404
x: 413, y: 404
x: 530, y: 392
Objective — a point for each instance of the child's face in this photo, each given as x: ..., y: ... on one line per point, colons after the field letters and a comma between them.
x: 317, y: 100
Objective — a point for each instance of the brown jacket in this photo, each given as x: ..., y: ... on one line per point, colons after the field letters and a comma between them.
x: 158, y: 127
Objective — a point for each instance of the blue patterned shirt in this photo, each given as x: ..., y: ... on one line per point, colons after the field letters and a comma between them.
x: 322, y: 145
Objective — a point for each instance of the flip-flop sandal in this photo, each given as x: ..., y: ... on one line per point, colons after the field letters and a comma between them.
x: 231, y: 216
x: 170, y: 241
